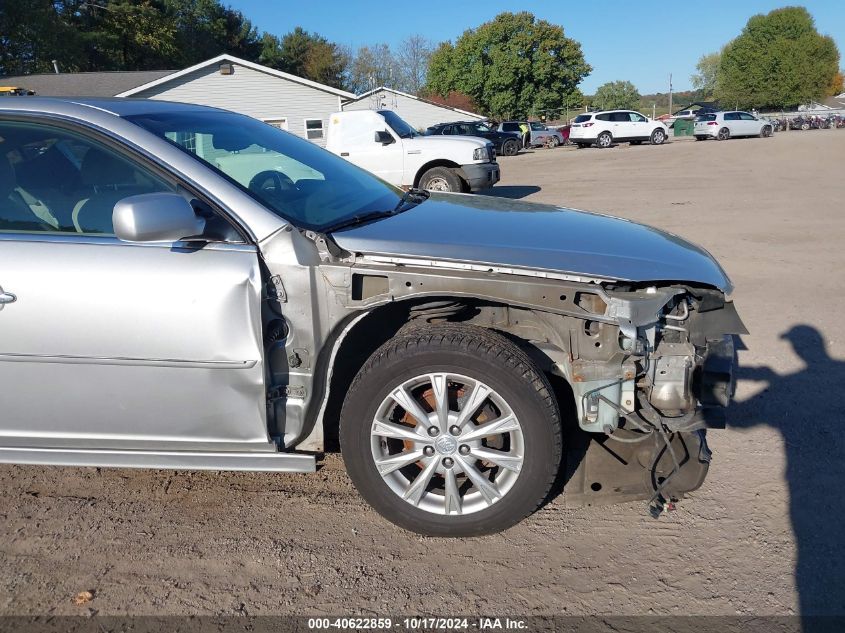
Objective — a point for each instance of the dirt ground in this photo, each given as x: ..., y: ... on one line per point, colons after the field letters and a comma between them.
x: 762, y: 536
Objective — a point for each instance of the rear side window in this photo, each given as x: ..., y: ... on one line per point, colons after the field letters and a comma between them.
x: 732, y: 116
x: 604, y: 117
x: 581, y: 118
x: 511, y: 126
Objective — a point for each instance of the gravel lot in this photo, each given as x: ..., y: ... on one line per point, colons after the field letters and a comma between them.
x: 761, y: 537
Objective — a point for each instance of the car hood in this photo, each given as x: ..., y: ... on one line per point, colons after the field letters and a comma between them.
x: 502, y: 232
x: 433, y: 141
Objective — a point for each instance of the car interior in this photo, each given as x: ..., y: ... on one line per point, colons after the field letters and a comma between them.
x: 55, y: 181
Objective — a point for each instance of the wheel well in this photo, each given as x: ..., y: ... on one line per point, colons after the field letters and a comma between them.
x: 385, y: 322
x: 440, y: 162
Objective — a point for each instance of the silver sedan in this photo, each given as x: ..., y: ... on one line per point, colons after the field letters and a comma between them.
x: 184, y: 287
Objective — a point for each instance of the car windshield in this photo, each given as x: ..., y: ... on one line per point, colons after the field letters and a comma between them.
x: 402, y: 129
x: 297, y: 180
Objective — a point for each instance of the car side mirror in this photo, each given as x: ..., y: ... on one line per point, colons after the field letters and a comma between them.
x: 384, y: 137
x: 156, y: 217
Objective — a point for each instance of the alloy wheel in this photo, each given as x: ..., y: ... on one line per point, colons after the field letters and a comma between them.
x: 447, y: 444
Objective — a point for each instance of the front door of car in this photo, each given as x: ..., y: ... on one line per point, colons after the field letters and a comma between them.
x: 638, y: 126
x: 385, y: 159
x: 750, y: 125
x: 109, y: 344
x: 539, y: 133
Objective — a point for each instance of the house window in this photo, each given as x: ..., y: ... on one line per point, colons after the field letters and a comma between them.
x: 281, y: 122
x: 313, y: 129
x: 185, y: 139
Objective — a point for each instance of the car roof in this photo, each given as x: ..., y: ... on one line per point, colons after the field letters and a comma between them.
x: 118, y: 106
x: 454, y: 123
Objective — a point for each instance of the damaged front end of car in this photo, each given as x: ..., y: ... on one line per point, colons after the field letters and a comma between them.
x: 644, y: 414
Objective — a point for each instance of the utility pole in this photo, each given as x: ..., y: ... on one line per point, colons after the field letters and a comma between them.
x: 670, y: 93
x: 653, y: 110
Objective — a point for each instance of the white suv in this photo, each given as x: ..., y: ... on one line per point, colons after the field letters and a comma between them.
x: 610, y: 126
x: 723, y: 125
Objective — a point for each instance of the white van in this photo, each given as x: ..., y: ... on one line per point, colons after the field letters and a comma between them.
x: 382, y: 143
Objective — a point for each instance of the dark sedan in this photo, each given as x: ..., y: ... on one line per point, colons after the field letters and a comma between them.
x: 506, y: 143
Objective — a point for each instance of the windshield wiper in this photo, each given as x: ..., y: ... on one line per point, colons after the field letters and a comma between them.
x: 360, y: 218
x: 409, y: 199
x: 413, y: 196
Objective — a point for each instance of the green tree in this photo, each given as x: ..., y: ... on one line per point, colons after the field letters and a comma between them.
x: 31, y: 35
x: 704, y: 81
x: 206, y: 28
x: 778, y: 60
x: 514, y: 65
x: 306, y: 55
x: 617, y: 95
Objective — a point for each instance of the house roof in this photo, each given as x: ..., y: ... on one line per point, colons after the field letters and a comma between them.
x: 133, y: 90
x: 96, y: 84
x: 410, y: 96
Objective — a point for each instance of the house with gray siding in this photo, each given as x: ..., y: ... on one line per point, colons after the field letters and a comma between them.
x: 419, y: 112
x: 289, y: 102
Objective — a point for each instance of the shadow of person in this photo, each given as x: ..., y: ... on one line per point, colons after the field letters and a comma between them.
x: 805, y: 407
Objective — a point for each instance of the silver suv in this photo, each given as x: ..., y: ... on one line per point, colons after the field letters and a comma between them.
x: 184, y: 287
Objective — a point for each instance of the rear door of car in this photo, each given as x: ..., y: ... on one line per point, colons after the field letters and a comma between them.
x: 109, y: 344
x: 620, y: 125
x: 733, y: 123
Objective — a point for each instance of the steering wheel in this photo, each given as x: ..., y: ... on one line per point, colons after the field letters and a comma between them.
x: 271, y: 182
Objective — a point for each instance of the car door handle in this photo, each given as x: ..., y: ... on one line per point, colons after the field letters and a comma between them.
x: 7, y: 297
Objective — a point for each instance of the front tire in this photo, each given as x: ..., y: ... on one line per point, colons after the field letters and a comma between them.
x: 766, y: 132
x: 658, y: 137
x: 441, y: 179
x: 554, y: 141
x: 510, y: 148
x: 452, y: 431
x: 604, y: 140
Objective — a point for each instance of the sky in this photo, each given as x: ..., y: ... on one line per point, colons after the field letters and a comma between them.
x: 638, y: 41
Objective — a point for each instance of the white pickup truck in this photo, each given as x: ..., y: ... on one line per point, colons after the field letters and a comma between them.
x: 382, y: 143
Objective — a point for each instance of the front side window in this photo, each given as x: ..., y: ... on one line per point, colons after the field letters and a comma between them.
x: 747, y: 117
x: 636, y: 117
x: 402, y: 129
x: 538, y: 127
x: 295, y: 179
x: 511, y: 126
x: 56, y: 181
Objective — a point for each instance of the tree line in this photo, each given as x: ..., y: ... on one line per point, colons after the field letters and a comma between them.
x: 512, y: 66
x: 104, y: 35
